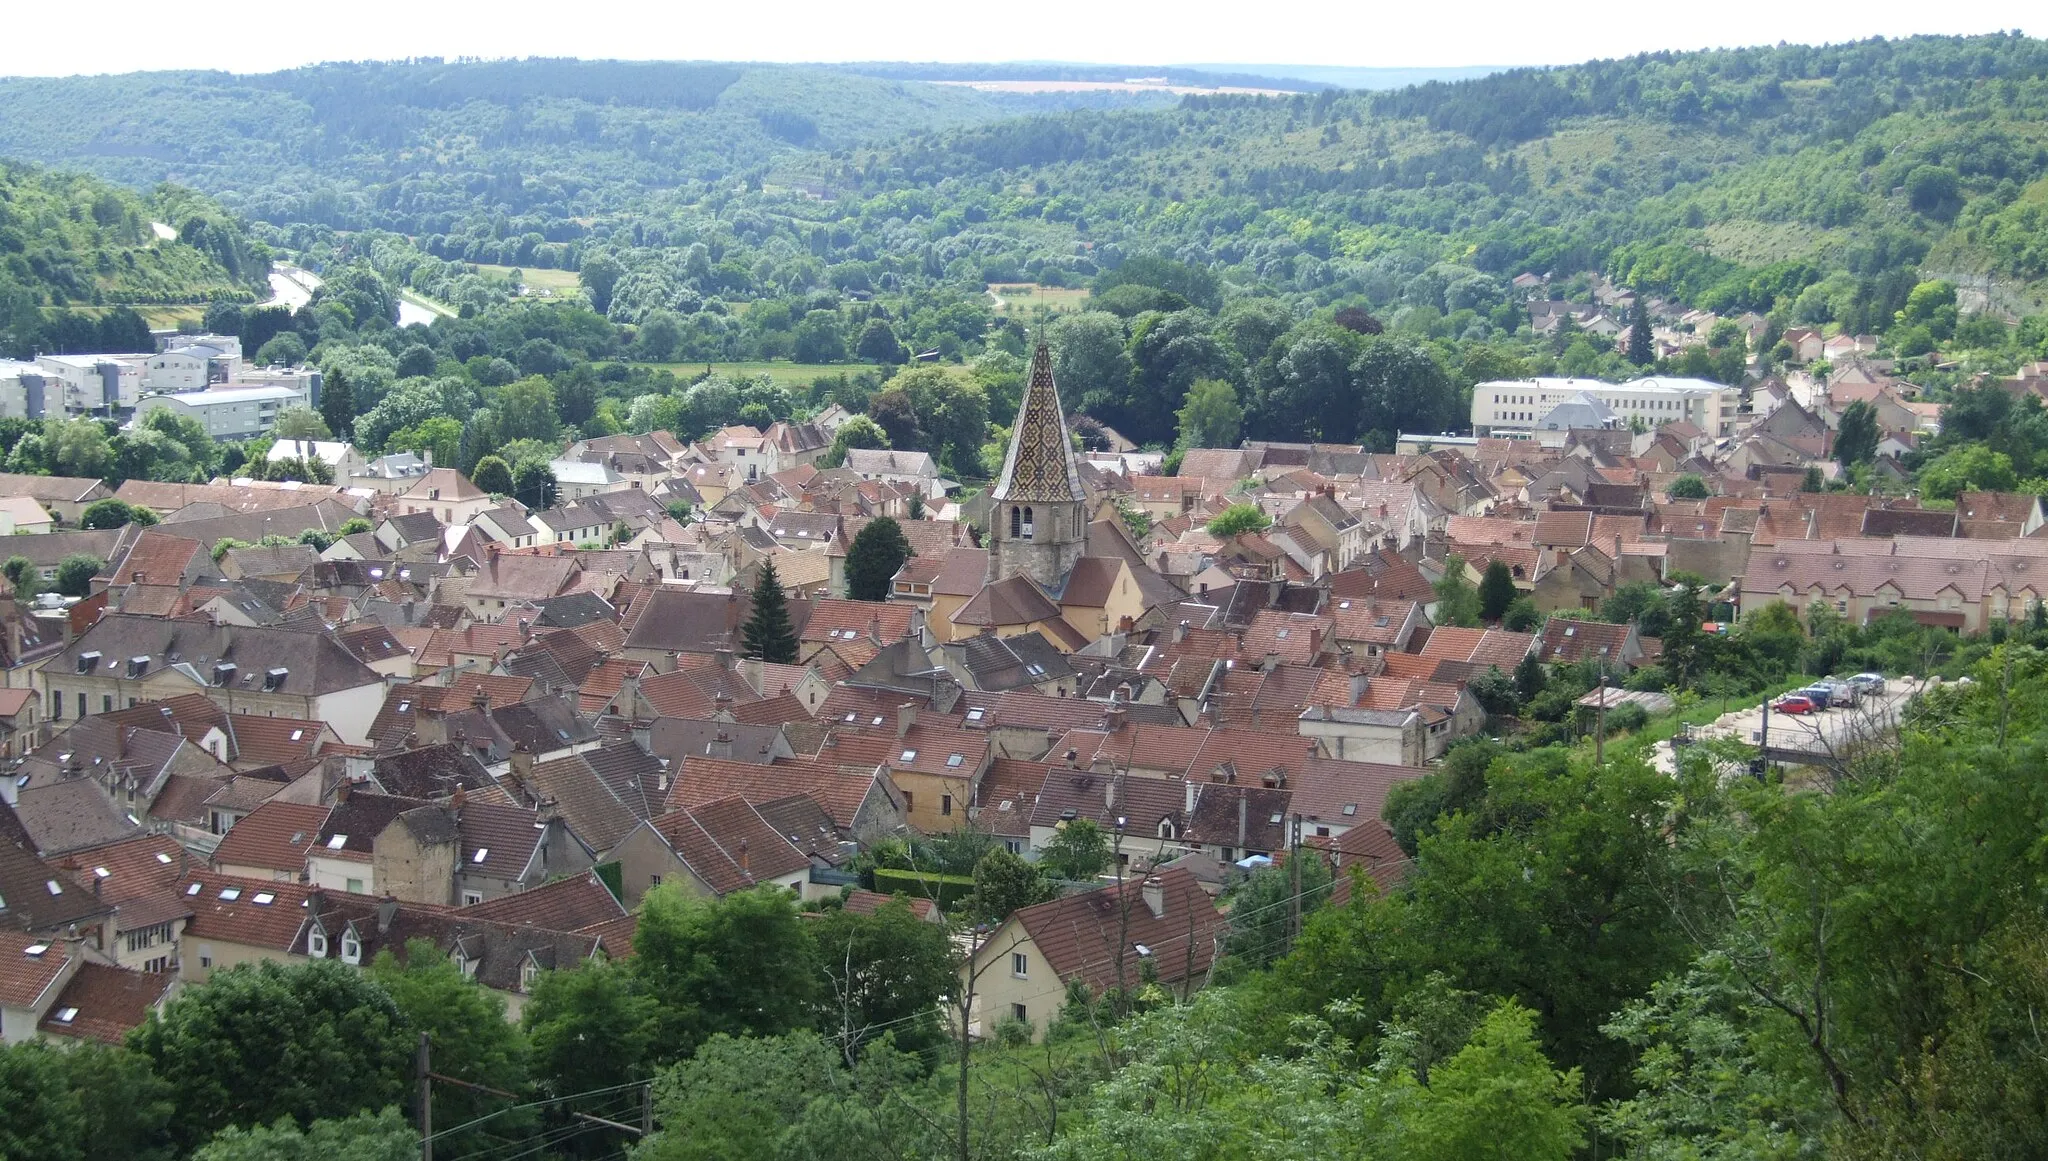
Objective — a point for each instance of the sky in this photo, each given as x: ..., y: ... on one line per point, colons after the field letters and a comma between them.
x: 248, y: 36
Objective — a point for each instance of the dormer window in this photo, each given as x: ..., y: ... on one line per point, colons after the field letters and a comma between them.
x: 351, y: 947
x: 316, y: 944
x: 529, y: 976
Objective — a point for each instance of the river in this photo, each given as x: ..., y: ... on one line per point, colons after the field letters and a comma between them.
x: 292, y: 288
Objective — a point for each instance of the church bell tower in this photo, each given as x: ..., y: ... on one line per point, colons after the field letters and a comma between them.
x: 1037, y: 522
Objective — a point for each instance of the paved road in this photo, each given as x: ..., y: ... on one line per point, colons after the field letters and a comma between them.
x: 1820, y: 734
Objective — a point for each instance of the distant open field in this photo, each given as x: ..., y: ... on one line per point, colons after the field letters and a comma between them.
x: 1025, y: 297
x: 559, y: 281
x: 1134, y: 85
x: 800, y: 374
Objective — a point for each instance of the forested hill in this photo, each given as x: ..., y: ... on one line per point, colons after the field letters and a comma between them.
x: 1741, y: 176
x: 72, y: 241
x: 409, y: 145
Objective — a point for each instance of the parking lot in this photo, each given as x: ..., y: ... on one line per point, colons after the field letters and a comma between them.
x: 1820, y: 734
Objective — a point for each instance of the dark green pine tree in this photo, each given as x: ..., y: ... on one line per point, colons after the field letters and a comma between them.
x: 768, y: 633
x: 1641, y: 351
x: 338, y: 404
x: 874, y: 558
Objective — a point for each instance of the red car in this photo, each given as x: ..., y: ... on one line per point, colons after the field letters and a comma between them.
x: 1793, y: 704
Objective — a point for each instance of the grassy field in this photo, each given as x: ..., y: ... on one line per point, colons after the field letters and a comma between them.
x: 159, y: 316
x: 559, y: 281
x: 1027, y: 298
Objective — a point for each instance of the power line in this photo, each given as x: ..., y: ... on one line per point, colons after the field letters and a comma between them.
x: 535, y: 1104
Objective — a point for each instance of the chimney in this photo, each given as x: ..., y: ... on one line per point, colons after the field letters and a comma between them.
x: 721, y: 745
x: 1113, y: 717
x: 875, y: 627
x: 906, y: 717
x: 1243, y: 822
x: 1563, y: 555
x: 522, y: 763
x: 387, y: 910
x: 1191, y: 793
x: 1180, y: 632
x: 721, y: 705
x: 1109, y: 795
x: 482, y: 700
x: 458, y: 800
x: 1154, y: 894
x: 743, y: 857
x: 341, y: 790
x: 316, y: 902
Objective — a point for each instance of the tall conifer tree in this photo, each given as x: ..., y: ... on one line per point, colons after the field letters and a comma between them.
x: 768, y: 634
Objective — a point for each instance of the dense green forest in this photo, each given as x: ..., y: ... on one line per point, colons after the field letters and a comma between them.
x: 72, y: 241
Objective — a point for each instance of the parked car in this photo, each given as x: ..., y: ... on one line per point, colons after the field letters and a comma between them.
x: 1842, y: 693
x: 1821, y: 696
x: 1794, y: 703
x: 1869, y: 683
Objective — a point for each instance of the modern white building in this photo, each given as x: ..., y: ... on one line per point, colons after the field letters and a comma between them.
x: 83, y: 383
x: 231, y: 412
x: 1510, y: 406
x: 22, y: 388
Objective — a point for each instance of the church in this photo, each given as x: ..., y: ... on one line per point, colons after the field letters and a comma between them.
x: 1038, y: 526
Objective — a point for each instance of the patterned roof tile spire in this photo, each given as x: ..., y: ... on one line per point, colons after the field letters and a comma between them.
x: 1040, y: 465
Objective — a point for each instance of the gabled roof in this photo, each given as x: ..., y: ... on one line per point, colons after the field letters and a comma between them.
x: 29, y: 967
x: 274, y: 836
x: 1078, y: 935
x: 567, y: 904
x: 104, y: 1003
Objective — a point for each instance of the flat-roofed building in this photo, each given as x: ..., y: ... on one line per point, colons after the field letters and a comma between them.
x: 230, y: 412
x: 1521, y: 405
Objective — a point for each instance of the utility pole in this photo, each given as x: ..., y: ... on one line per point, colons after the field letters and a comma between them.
x: 1763, y: 749
x: 423, y: 1060
x: 1600, y: 717
x: 1294, y: 865
x: 647, y: 1110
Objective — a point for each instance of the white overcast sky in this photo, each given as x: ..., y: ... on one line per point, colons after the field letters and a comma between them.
x: 48, y: 37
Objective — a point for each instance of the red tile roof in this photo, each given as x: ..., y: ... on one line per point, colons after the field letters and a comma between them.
x: 104, y: 1003
x: 274, y: 836
x: 1078, y: 935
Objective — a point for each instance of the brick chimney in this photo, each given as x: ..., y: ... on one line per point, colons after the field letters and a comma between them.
x: 743, y: 858
x: 522, y: 763
x: 906, y: 717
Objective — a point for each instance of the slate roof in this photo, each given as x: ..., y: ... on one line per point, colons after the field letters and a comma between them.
x: 313, y: 663
x: 1016, y: 662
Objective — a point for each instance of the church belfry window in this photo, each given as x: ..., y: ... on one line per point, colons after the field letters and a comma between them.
x: 1027, y: 522
x: 1016, y: 522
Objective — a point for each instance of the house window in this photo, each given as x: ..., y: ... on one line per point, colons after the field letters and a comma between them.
x: 946, y: 805
x: 470, y: 898
x: 316, y: 944
x: 1020, y: 1013
x: 351, y: 947
x: 206, y: 955
x: 528, y: 976
x: 158, y: 966
x: 909, y: 804
x: 1020, y: 965
x: 56, y: 705
x: 1014, y: 846
x: 107, y: 703
x: 355, y: 886
x: 81, y: 705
